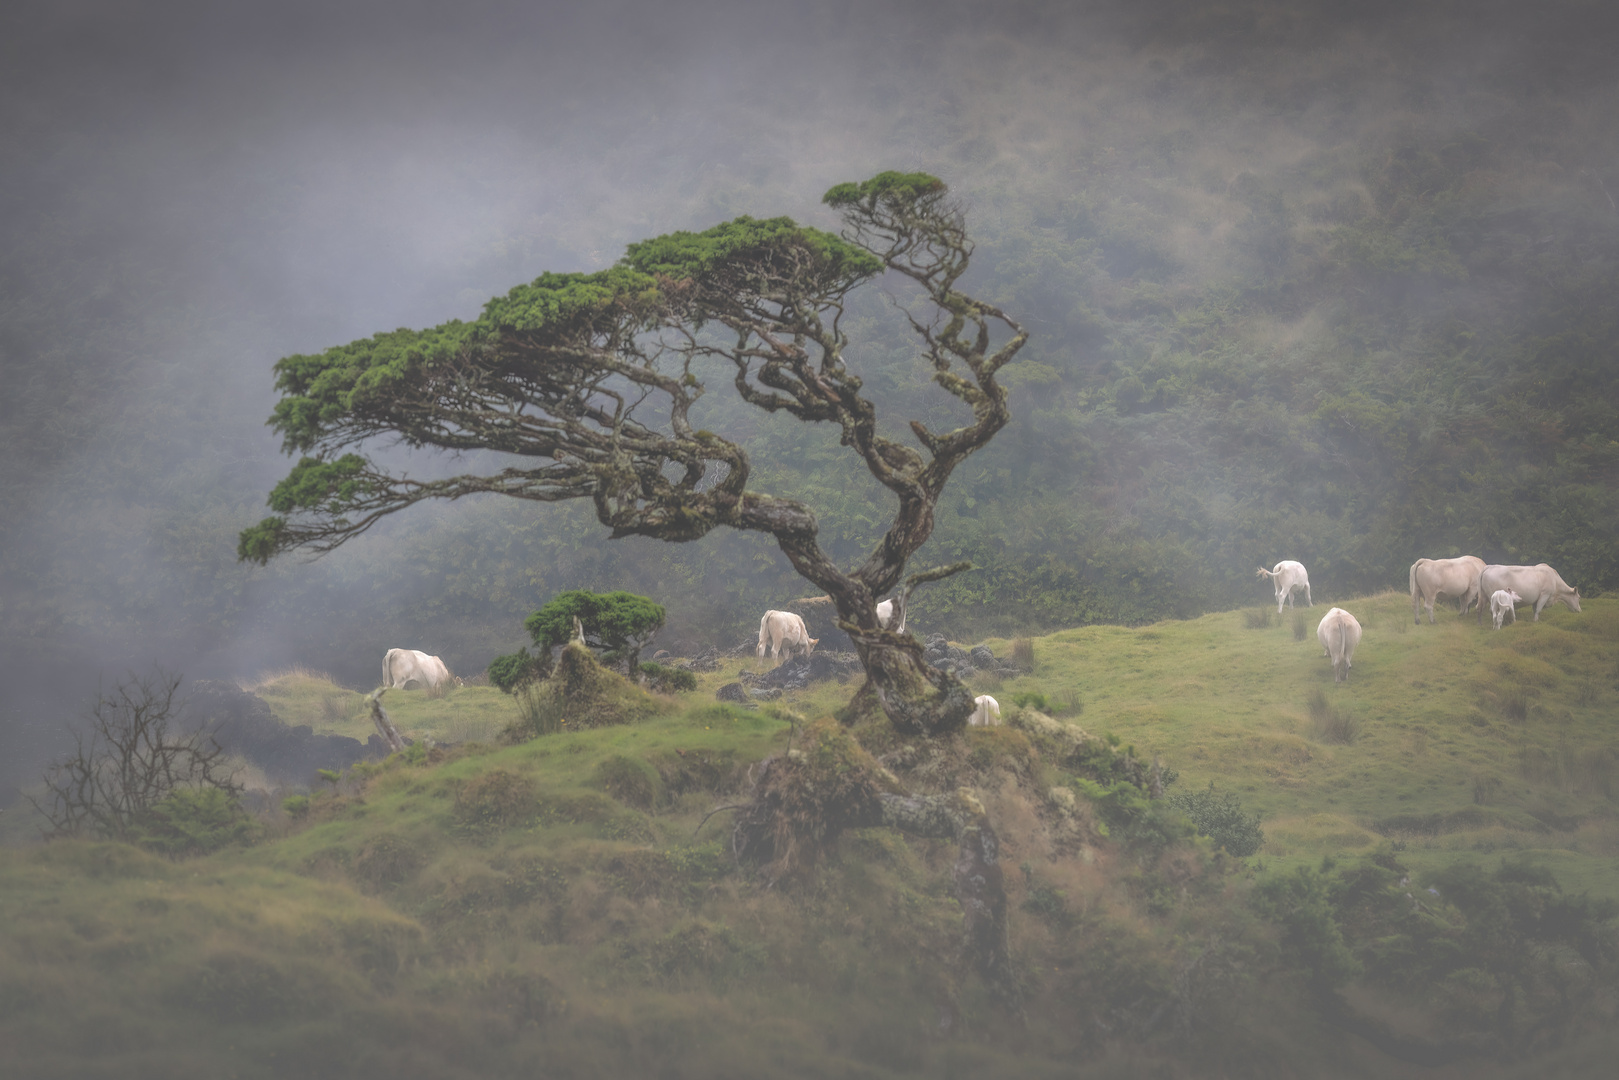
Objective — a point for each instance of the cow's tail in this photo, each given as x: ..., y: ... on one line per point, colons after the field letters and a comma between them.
x: 1266, y: 573
x: 764, y: 635
x: 1416, y: 599
x: 387, y: 672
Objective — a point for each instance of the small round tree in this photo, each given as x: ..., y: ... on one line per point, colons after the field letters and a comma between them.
x: 593, y: 378
x: 621, y: 623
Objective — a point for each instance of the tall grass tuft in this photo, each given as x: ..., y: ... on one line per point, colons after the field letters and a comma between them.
x: 1300, y: 627
x: 538, y: 713
x: 1256, y: 620
x: 1023, y: 653
x: 1331, y: 723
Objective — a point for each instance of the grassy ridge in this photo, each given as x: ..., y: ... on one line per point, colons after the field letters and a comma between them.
x: 562, y: 907
x: 1469, y: 740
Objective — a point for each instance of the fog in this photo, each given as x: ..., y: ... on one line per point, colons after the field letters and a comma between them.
x: 192, y: 190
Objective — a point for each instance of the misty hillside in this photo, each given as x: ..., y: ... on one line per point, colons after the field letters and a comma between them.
x: 1303, y: 282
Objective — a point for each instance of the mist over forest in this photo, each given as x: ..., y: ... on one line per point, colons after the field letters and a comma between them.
x: 1325, y: 282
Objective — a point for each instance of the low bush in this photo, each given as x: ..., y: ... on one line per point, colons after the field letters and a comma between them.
x: 1220, y: 818
x: 194, y: 821
x: 633, y: 781
x: 1032, y: 699
x: 1256, y: 620
x: 497, y: 798
x: 1023, y: 653
x: 668, y: 680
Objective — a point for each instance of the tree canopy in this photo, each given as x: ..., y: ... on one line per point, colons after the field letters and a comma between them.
x: 594, y: 376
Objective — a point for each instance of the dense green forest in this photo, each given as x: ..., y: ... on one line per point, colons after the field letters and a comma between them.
x: 1301, y: 284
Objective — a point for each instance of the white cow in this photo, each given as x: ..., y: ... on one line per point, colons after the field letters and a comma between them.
x: 1501, y: 605
x: 1456, y: 577
x: 780, y: 629
x: 988, y: 713
x: 885, y: 615
x: 1288, y: 576
x: 1538, y: 585
x: 402, y: 667
x: 1339, y: 633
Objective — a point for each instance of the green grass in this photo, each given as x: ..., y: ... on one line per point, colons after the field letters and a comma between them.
x: 1521, y: 719
x: 560, y: 907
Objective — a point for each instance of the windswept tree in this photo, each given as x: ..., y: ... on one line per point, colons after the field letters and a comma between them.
x: 593, y: 377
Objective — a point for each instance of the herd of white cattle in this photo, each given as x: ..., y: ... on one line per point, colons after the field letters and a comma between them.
x: 1467, y: 579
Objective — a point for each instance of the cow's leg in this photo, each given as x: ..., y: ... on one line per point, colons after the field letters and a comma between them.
x: 1307, y: 599
x: 1540, y: 602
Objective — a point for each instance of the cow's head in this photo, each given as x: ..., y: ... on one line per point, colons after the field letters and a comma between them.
x: 815, y: 640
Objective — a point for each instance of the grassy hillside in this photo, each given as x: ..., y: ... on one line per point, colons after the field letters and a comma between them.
x: 563, y: 907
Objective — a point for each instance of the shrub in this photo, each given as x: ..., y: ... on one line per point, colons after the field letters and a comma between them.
x: 514, y: 670
x: 668, y: 680
x: 1300, y: 628
x: 631, y: 780
x: 1220, y: 818
x: 1256, y: 620
x: 497, y: 798
x: 130, y: 762
x: 1331, y: 723
x: 1031, y: 699
x: 620, y: 622
x: 1023, y: 653
x: 580, y: 693
x: 194, y: 821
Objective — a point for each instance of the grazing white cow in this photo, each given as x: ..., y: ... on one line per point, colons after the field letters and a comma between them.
x: 401, y: 667
x: 1501, y: 605
x: 784, y: 629
x: 1456, y: 577
x: 988, y: 713
x: 1339, y: 633
x: 1538, y: 585
x: 1288, y: 576
x: 885, y: 615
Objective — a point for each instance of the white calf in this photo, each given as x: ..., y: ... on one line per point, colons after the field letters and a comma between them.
x: 1538, y: 585
x: 1288, y: 576
x: 1501, y: 605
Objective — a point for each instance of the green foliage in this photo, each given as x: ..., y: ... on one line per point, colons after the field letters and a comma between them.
x: 668, y: 680
x: 1031, y: 699
x: 296, y: 806
x: 746, y: 245
x: 579, y: 693
x: 892, y: 192
x: 195, y: 821
x: 1312, y: 941
x: 1220, y: 818
x: 618, y: 619
x: 508, y: 673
